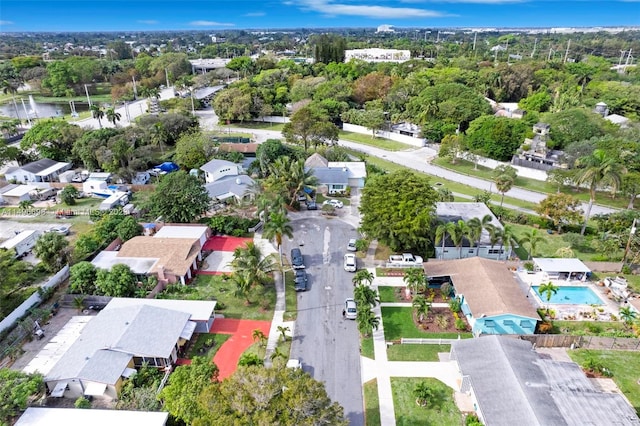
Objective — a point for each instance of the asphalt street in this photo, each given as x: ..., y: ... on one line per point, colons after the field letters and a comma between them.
x: 326, y: 344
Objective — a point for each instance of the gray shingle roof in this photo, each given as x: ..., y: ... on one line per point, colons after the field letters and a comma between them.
x: 236, y: 185
x: 38, y: 166
x: 331, y: 175
x: 515, y: 386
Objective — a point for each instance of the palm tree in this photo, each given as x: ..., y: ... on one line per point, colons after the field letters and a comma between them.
x: 460, y: 231
x: 414, y: 279
x: 113, y: 116
x: 97, y: 112
x: 442, y: 321
x: 503, y: 185
x: 421, y: 306
x: 508, y: 239
x: 362, y: 276
x: 423, y: 393
x: 367, y: 321
x: 532, y: 238
x: 260, y: 336
x: 594, y: 170
x: 158, y: 135
x: 283, y: 332
x: 25, y: 204
x: 548, y: 289
x: 628, y: 315
x: 277, y: 227
x: 277, y: 353
x: 443, y: 230
x: 249, y: 262
x: 291, y: 176
x: 365, y: 296
x: 243, y: 285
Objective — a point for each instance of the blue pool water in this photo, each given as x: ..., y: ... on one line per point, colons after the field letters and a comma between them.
x: 571, y: 296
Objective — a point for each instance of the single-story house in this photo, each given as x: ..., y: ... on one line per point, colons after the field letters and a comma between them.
x: 511, y: 384
x: 331, y: 180
x: 217, y: 169
x: 335, y: 176
x: 230, y: 187
x: 455, y: 211
x: 117, y: 341
x: 43, y: 416
x: 357, y: 172
x: 200, y: 233
x: 561, y: 269
x: 15, y: 193
x: 170, y: 259
x: 492, y: 300
x: 246, y: 149
x: 43, y: 170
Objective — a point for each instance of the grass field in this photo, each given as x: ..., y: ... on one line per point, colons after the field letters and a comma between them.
x: 387, y: 294
x: 625, y: 366
x: 371, y: 403
x: 199, y: 347
x: 366, y: 347
x: 416, y: 352
x: 258, y: 125
x: 291, y: 298
x: 382, y: 143
x: 440, y: 410
x: 398, y: 323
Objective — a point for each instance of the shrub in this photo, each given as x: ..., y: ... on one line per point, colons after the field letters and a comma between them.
x: 545, y: 327
x: 460, y: 324
x: 248, y: 359
x: 362, y: 245
x: 472, y: 420
x: 82, y: 402
x: 455, y: 305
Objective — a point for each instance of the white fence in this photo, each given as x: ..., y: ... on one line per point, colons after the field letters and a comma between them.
x: 272, y: 119
x: 34, y: 299
x: 522, y: 171
x: 409, y: 341
x: 409, y: 140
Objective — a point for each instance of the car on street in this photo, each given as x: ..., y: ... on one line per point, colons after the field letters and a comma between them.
x: 350, y: 262
x: 311, y: 205
x: 300, y: 280
x: 297, y: 261
x: 335, y: 203
x: 350, y: 311
x: 351, y: 245
x: 60, y: 229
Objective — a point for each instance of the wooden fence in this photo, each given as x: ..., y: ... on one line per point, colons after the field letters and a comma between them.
x: 584, y: 342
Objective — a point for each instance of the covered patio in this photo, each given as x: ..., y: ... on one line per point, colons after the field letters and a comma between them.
x: 560, y: 269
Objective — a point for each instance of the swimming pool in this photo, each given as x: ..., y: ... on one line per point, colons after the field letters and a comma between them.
x: 571, y: 296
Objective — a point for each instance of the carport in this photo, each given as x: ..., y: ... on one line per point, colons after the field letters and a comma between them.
x: 561, y: 269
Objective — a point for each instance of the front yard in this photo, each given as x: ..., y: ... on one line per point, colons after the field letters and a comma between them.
x: 399, y: 323
x: 440, y: 409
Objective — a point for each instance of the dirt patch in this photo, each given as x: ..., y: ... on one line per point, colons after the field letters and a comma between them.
x: 440, y: 320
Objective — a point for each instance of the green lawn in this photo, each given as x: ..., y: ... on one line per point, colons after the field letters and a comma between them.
x: 220, y: 288
x: 258, y: 125
x: 366, y: 347
x: 371, y: 404
x: 468, y: 168
x: 398, y: 323
x: 291, y: 298
x: 625, y: 366
x: 590, y: 328
x: 382, y: 143
x: 416, y: 352
x: 440, y: 410
x: 387, y: 294
x: 199, y: 347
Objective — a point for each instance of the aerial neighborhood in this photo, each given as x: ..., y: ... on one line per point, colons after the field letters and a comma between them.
x: 347, y: 226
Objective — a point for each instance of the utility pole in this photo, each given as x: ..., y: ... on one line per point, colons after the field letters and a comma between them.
x: 475, y: 36
x: 135, y: 89
x: 566, y: 54
x: 628, y: 58
x: 535, y: 43
x: 88, y: 98
x: 166, y: 75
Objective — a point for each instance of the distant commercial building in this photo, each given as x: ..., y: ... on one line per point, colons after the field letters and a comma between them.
x: 378, y: 55
x: 385, y: 29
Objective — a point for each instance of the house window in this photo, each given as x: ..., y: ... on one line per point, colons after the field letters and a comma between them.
x: 338, y: 187
x: 508, y: 322
x: 526, y: 324
x: 495, y: 251
x: 471, y: 251
x: 489, y: 323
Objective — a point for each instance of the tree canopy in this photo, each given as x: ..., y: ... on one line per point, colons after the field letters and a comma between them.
x: 180, y: 197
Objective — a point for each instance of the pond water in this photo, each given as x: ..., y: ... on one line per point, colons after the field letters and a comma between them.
x: 42, y: 110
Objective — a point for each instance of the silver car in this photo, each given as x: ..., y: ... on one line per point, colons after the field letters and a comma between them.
x: 350, y: 311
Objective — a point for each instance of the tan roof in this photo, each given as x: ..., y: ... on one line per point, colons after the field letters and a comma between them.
x: 316, y: 160
x: 488, y: 286
x: 176, y: 255
x: 244, y: 148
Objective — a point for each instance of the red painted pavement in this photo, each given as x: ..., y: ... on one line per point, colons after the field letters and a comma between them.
x: 225, y: 243
x: 200, y: 272
x: 229, y: 353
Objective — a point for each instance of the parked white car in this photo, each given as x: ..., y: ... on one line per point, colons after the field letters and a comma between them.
x: 350, y: 262
x: 351, y: 245
x: 335, y: 203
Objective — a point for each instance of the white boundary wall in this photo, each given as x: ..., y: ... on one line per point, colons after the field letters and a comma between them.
x: 409, y: 140
x: 34, y: 299
x: 522, y: 171
x: 272, y: 119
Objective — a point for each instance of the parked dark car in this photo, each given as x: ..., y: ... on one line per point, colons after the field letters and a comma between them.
x: 311, y: 205
x: 297, y: 261
x: 300, y: 280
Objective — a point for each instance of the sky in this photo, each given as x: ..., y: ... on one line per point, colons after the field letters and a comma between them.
x: 212, y: 15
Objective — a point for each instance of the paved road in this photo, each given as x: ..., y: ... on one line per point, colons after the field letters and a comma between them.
x: 327, y: 344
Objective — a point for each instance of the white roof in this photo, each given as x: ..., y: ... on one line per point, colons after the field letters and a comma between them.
x: 139, y: 265
x: 95, y: 389
x: 52, y: 169
x: 168, y: 231
x: 200, y: 310
x: 20, y: 190
x: 356, y: 169
x: 13, y: 242
x: 617, y: 119
x: 99, y: 176
x: 35, y: 416
x: 560, y: 265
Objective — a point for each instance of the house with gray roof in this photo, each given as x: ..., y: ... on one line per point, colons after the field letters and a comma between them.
x: 117, y: 341
x: 43, y: 170
x: 217, y: 169
x: 511, y: 384
x: 331, y: 180
x: 225, y: 182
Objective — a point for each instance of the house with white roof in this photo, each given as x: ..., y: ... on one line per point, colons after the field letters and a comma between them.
x: 224, y: 180
x: 14, y: 193
x: 45, y: 416
x: 43, y: 170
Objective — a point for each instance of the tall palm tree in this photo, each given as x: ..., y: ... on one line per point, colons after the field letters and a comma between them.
x: 277, y: 227
x: 113, y: 116
x: 98, y: 113
x: 548, y: 289
x: 443, y: 230
x: 362, y: 276
x: 367, y: 321
x: 503, y: 185
x: 460, y: 231
x: 595, y: 170
x: 532, y: 238
x: 414, y: 279
x: 158, y: 135
x: 260, y: 336
x: 421, y: 306
x: 365, y: 296
x: 628, y: 315
x: 249, y: 262
x: 508, y: 239
x: 291, y: 176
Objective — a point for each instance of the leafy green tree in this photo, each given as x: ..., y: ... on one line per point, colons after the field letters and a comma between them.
x: 548, y: 290
x: 85, y: 245
x: 571, y: 125
x: 52, y: 249
x: 595, y: 170
x: 329, y: 48
x: 128, y: 228
x: 52, y: 139
x: 16, y: 390
x: 258, y: 395
x: 533, y: 238
x: 68, y: 195
x: 497, y: 137
x: 193, y: 150
x: 397, y: 209
x: 310, y: 125
x: 185, y: 385
x: 539, y: 101
x: 120, y: 281
x: 82, y: 278
x: 631, y: 186
x: 561, y: 209
x: 277, y: 227
x: 451, y: 147
x: 180, y: 198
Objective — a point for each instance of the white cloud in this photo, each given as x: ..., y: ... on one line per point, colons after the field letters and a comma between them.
x: 482, y: 1
x: 210, y: 24
x: 6, y: 22
x: 254, y: 14
x: 332, y: 9
x: 148, y: 21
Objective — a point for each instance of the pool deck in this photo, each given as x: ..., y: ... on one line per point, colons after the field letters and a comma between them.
x: 568, y: 311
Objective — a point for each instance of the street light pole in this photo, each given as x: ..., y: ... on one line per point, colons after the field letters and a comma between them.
x: 88, y: 98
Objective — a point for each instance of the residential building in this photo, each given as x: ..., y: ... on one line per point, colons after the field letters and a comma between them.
x: 492, y: 299
x: 378, y: 55
x: 225, y: 182
x: 15, y: 193
x: 511, y: 384
x: 385, y: 29
x: 43, y: 170
x: 534, y: 152
x: 336, y: 176
x: 121, y: 338
x: 43, y: 416
x: 465, y: 211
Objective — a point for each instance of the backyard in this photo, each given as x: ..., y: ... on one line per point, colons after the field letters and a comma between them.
x: 206, y: 345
